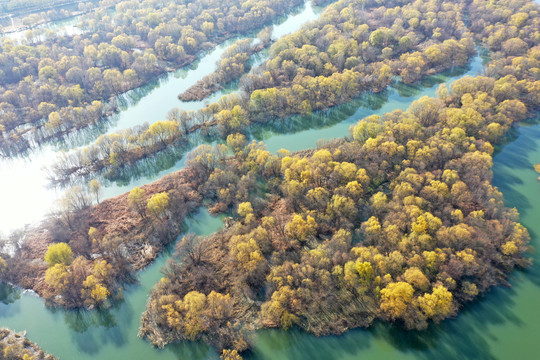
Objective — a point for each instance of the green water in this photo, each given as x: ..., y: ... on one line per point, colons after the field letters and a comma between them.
x: 503, y: 325
x: 109, y: 334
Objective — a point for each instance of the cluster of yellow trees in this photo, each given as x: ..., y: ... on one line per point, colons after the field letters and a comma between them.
x: 61, y: 84
x: 399, y: 222
x: 17, y: 347
x: 234, y: 63
x: 77, y: 281
x: 354, y: 47
x: 358, y: 46
x: 80, y: 281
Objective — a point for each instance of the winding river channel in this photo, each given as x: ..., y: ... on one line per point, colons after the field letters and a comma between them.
x: 504, y: 324
x: 30, y: 196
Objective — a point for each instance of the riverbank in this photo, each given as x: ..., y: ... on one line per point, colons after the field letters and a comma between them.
x: 15, y: 346
x: 384, y: 225
x: 234, y: 63
x: 111, y: 231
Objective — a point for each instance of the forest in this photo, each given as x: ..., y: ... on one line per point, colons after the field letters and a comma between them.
x: 234, y: 63
x: 397, y: 222
x: 366, y: 46
x: 52, y: 87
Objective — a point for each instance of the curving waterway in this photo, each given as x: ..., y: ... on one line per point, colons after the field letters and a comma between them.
x: 23, y: 180
x: 64, y: 27
x: 503, y: 325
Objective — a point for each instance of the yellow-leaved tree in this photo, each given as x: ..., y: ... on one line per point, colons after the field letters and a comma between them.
x: 438, y: 305
x: 59, y: 254
x: 395, y: 299
x: 158, y: 204
x: 136, y: 201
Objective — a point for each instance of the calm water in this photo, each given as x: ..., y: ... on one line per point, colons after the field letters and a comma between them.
x: 109, y: 334
x: 503, y: 325
x: 23, y: 180
x: 65, y: 27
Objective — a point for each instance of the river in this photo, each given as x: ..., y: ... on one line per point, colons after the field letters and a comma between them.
x: 64, y: 27
x: 503, y: 325
x: 23, y: 179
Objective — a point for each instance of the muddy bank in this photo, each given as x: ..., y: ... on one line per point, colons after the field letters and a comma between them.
x: 121, y: 236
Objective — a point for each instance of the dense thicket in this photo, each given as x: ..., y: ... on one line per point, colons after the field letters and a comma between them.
x: 399, y: 223
x: 358, y: 46
x: 83, y: 255
x: 354, y: 47
x: 234, y: 63
x: 66, y: 83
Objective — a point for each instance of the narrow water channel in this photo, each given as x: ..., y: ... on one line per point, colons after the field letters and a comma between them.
x: 23, y: 179
x: 503, y: 325
x: 111, y: 334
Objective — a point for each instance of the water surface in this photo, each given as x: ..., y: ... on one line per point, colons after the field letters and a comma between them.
x: 24, y: 179
x: 503, y: 325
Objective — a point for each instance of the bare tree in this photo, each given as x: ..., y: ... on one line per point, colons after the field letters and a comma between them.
x: 191, y: 249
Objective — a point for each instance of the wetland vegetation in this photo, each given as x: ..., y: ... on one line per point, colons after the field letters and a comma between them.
x: 397, y: 221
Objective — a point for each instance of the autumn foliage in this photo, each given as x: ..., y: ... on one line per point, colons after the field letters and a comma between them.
x: 398, y: 222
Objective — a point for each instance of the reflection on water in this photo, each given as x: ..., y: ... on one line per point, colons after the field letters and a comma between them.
x: 29, y: 195
x: 107, y: 333
x: 303, y: 132
x: 299, y: 132
x: 64, y: 27
x: 9, y: 294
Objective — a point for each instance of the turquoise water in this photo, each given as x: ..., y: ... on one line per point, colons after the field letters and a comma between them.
x: 108, y: 334
x: 503, y: 325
